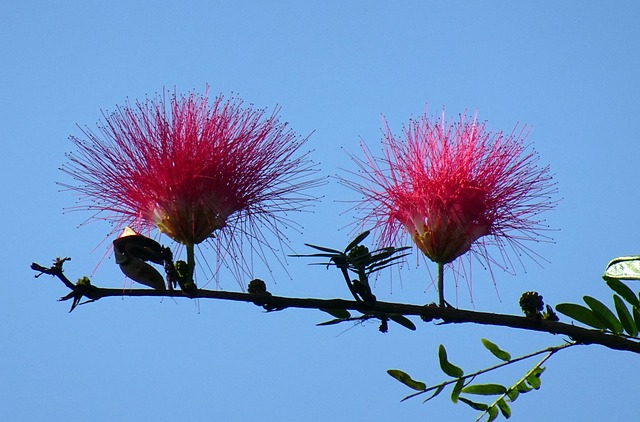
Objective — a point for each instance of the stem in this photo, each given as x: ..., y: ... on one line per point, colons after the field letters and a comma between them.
x: 345, y: 274
x: 441, y: 301
x: 191, y: 262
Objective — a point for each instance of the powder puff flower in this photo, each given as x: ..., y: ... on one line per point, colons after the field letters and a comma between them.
x: 454, y: 188
x: 194, y: 169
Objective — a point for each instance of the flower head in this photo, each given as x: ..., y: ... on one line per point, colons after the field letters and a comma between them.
x: 194, y: 169
x: 454, y: 187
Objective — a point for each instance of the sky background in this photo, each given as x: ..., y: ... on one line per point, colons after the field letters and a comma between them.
x: 569, y: 69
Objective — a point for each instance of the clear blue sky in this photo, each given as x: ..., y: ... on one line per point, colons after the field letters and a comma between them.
x: 569, y: 69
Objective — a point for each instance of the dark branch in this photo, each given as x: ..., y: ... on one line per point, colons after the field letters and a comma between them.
x: 426, y: 312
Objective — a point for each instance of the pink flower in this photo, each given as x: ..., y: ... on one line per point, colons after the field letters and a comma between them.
x: 454, y: 188
x: 195, y: 169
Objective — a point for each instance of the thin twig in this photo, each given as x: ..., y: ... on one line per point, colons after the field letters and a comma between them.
x: 551, y: 350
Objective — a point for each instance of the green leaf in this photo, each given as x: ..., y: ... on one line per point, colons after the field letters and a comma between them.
x: 493, y: 413
x: 446, y: 366
x: 581, y: 314
x: 338, y: 313
x: 404, y: 378
x: 606, y: 316
x: 497, y: 352
x: 315, y: 255
x: 403, y: 320
x: 435, y: 393
x: 623, y: 290
x: 636, y: 315
x: 380, y: 265
x: 624, y: 268
x: 513, y: 394
x: 625, y: 316
x: 474, y: 405
x: 359, y: 238
x: 322, y: 248
x: 504, y: 408
x: 485, y: 389
x: 534, y: 380
x: 330, y: 322
x: 522, y: 387
x: 382, y: 254
x: 457, y: 388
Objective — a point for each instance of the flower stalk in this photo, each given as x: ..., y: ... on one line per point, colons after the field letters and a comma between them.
x: 441, y: 301
x: 191, y: 263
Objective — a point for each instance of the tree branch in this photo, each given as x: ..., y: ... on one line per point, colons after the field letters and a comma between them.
x: 426, y: 312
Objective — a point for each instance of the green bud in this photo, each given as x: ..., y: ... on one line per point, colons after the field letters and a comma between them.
x: 181, y: 268
x: 84, y: 281
x: 359, y: 256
